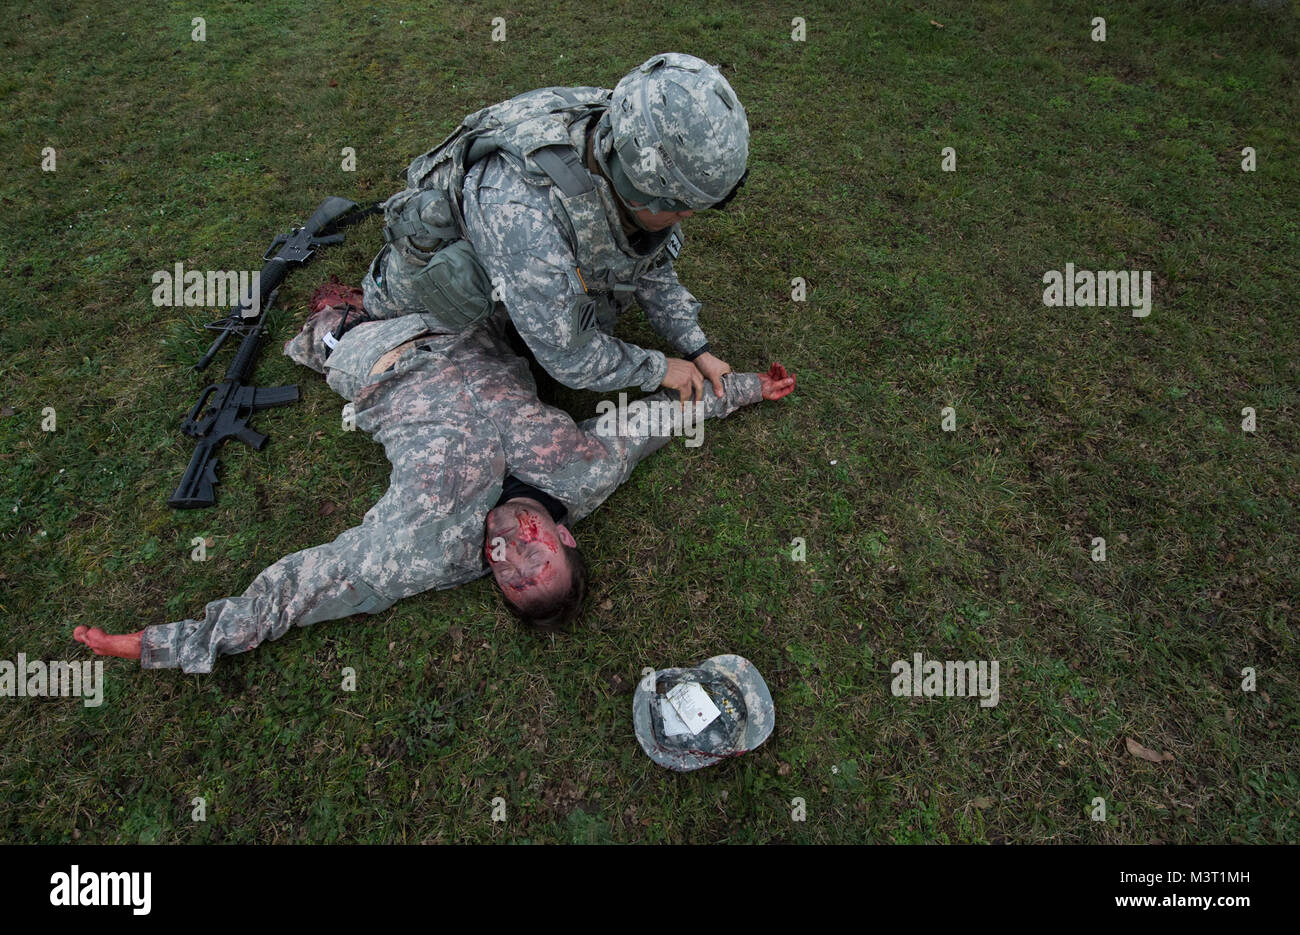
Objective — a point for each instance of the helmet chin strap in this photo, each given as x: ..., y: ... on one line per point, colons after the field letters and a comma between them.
x: 600, y: 137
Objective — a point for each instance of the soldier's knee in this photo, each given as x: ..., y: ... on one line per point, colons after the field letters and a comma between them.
x: 357, y: 597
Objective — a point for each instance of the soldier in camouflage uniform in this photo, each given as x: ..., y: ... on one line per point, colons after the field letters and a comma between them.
x: 455, y: 414
x: 557, y: 208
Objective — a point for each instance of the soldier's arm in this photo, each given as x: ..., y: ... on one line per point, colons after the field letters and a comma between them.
x: 671, y: 309
x: 558, y: 323
x: 518, y: 241
x: 581, y: 465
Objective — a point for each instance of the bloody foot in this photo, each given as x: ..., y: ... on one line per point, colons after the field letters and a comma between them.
x: 124, y: 646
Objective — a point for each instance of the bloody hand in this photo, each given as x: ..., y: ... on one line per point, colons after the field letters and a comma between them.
x: 776, y: 383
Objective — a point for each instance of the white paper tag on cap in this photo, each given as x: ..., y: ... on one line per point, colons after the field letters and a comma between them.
x: 693, y: 705
x: 674, y: 726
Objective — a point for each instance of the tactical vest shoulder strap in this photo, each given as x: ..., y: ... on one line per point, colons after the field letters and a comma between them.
x: 535, y: 121
x: 562, y: 165
x: 533, y: 128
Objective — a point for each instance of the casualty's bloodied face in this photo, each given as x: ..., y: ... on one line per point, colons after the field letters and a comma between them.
x: 523, y: 547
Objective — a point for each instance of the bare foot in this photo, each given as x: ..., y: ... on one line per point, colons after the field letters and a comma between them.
x: 125, y: 645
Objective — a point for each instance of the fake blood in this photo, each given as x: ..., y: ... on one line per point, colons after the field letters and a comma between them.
x: 334, y: 294
x: 529, y: 531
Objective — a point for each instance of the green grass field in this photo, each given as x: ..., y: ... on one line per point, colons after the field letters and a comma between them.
x: 924, y: 291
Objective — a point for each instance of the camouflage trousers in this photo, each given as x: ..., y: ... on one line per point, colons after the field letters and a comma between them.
x: 419, y: 536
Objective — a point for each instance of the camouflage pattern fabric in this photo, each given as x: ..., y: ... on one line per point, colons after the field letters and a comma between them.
x: 677, y: 131
x: 741, y: 695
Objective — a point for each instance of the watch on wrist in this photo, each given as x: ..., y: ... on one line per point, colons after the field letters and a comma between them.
x: 703, y: 350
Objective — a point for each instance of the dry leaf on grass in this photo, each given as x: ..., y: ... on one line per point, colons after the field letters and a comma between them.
x: 1138, y: 750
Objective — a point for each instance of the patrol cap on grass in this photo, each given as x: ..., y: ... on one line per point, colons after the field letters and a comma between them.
x: 746, y: 714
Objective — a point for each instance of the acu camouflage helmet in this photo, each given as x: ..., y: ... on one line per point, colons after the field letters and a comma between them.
x: 675, y: 137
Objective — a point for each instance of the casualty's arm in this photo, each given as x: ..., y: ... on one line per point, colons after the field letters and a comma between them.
x: 601, y: 453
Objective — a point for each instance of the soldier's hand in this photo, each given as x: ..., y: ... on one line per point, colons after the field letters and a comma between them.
x: 683, y: 377
x: 776, y: 383
x: 712, y: 369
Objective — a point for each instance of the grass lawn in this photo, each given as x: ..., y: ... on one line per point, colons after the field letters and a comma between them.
x: 924, y: 291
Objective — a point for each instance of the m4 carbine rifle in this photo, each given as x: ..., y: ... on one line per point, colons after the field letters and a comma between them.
x: 228, y: 404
